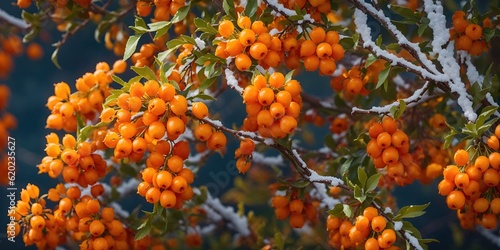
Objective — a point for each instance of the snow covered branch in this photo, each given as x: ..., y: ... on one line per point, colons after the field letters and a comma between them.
x: 281, y: 10
x: 216, y: 211
x: 447, y: 78
x: 411, y: 101
x: 20, y: 23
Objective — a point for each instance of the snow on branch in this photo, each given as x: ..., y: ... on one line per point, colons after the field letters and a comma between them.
x: 281, y: 10
x: 20, y: 23
x: 437, y: 22
x: 237, y: 222
x: 364, y: 31
x: 413, y: 48
x: 449, y: 79
x: 231, y: 80
x: 411, y: 101
x: 488, y: 234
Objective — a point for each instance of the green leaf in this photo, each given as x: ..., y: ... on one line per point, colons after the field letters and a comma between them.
x: 158, y: 26
x: 337, y: 210
x: 372, y: 182
x: 145, y: 72
x: 371, y: 59
x: 347, y: 210
x: 203, y: 97
x: 139, y: 22
x: 278, y: 241
x: 345, y: 166
x: 181, y: 14
x: 86, y: 131
x: 382, y: 76
x: 424, y: 23
x: 397, y: 111
x: 228, y: 6
x: 118, y: 80
x: 144, y: 229
x: 362, y: 177
x: 130, y: 46
x: 251, y: 8
x: 485, y: 115
x: 54, y: 58
x: 358, y: 194
x: 207, y: 83
x: 289, y: 76
x: 411, y: 211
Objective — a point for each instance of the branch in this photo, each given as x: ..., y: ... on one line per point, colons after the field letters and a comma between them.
x: 312, y: 176
x: 217, y: 212
x: 281, y: 10
x: 447, y: 80
x: 17, y: 22
x: 411, y: 101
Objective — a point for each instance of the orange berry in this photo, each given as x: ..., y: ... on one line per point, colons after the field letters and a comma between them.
x: 178, y: 105
x: 461, y: 157
x: 390, y: 155
x: 389, y: 124
x: 203, y: 132
x: 153, y: 195
x: 474, y: 31
x: 279, y: 201
x: 244, y: 22
x: 168, y: 199
x: 217, y: 141
x: 296, y: 206
x: 297, y: 220
x: 258, y: 51
x: 455, y: 200
x: 242, y: 165
x: 243, y: 62
x: 463, y: 43
x: 234, y: 47
x: 266, y: 96
x: 247, y: 37
x: 179, y: 184
x: 384, y: 140
x: 259, y: 27
x: 378, y: 223
x: 462, y: 180
x: 288, y: 124
x: 460, y: 24
x: 96, y: 228
x: 318, y: 34
x: 226, y: 28
x: 200, y: 110
x: 307, y: 48
x: 276, y: 80
x: 481, y: 205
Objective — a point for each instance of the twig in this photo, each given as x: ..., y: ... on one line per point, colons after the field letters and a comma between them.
x: 411, y: 101
x: 19, y: 23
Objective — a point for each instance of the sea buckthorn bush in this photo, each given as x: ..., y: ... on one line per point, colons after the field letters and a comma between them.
x: 411, y: 99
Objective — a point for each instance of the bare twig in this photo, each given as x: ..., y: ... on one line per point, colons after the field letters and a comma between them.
x: 17, y: 22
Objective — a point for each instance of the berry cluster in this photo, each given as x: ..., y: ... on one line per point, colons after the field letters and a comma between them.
x: 471, y: 187
x: 83, y: 217
x: 7, y: 122
x: 321, y: 51
x: 389, y: 148
x: 354, y: 81
x: 468, y: 36
x: 343, y: 233
x: 313, y: 7
x: 12, y: 46
x: 86, y: 103
x: 252, y: 42
x: 163, y: 9
x: 292, y: 207
x: 244, y: 155
x: 273, y: 105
